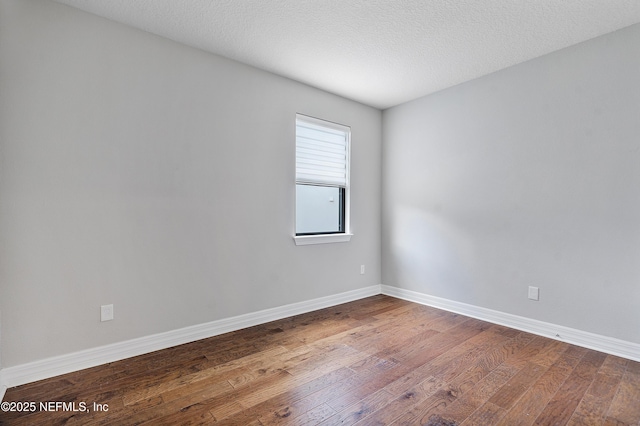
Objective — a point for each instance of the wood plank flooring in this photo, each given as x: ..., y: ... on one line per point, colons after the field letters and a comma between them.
x: 376, y: 361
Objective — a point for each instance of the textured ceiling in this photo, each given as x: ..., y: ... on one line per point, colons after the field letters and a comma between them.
x: 378, y: 52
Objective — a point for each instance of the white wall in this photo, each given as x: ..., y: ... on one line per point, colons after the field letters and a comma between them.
x: 157, y: 177
x: 529, y: 176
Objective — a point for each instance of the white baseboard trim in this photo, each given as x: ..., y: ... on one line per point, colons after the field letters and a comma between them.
x: 585, y: 339
x: 67, y: 363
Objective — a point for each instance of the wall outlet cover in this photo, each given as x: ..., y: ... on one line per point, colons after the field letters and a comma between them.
x: 534, y: 293
x: 106, y: 312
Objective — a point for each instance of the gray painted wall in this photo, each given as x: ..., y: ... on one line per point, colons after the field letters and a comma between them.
x: 131, y: 168
x: 157, y: 177
x: 529, y: 176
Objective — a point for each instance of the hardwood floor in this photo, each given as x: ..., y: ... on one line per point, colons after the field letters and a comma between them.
x: 376, y: 361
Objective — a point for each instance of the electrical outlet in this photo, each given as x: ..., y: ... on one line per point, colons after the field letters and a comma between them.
x: 106, y: 312
x: 534, y: 293
x: 361, y: 269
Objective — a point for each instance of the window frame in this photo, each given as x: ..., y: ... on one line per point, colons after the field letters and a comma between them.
x: 327, y: 237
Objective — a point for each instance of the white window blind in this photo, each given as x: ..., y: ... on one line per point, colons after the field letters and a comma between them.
x: 322, y: 152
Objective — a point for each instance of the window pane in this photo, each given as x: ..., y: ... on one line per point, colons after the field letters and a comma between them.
x: 319, y: 209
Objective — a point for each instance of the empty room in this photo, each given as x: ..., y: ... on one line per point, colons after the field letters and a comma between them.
x: 320, y: 212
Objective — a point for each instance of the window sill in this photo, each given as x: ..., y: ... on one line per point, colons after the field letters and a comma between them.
x: 304, y: 240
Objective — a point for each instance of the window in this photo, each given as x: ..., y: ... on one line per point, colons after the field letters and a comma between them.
x: 322, y: 181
